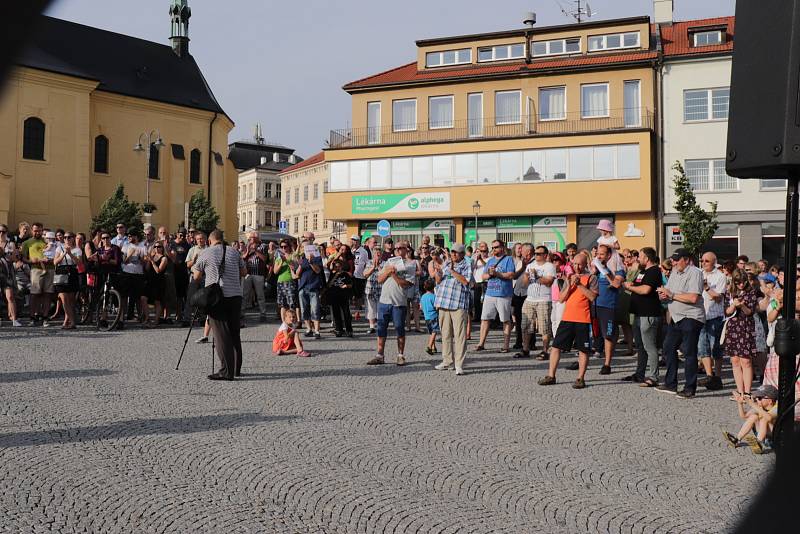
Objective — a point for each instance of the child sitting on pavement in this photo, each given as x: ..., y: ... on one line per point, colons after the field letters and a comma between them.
x: 430, y: 313
x: 760, y: 419
x: 287, y: 339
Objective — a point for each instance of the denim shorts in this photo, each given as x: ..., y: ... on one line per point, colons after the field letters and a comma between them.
x: 395, y: 314
x: 433, y: 326
x: 309, y: 304
x: 708, y: 344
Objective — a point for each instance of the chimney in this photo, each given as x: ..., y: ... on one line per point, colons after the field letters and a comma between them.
x: 263, y: 160
x: 276, y: 157
x: 179, y: 13
x: 662, y: 11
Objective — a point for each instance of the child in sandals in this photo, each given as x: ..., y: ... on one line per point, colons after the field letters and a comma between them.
x: 287, y: 339
x: 759, y: 419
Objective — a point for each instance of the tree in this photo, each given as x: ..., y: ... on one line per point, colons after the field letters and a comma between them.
x: 118, y: 209
x: 202, y: 214
x: 697, y: 225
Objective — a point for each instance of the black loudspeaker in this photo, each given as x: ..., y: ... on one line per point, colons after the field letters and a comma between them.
x: 764, y: 118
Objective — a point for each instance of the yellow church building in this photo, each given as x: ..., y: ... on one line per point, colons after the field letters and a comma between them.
x: 78, y: 105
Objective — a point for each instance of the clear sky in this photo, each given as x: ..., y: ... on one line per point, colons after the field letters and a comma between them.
x: 283, y: 63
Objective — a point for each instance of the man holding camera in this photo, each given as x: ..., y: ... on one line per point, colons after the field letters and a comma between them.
x: 224, y: 319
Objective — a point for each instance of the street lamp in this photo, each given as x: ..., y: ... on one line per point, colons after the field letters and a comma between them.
x: 476, y: 209
x: 149, y: 140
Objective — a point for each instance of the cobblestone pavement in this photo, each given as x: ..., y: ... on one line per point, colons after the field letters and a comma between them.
x: 99, y: 433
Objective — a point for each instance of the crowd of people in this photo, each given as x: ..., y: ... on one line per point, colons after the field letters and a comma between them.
x: 695, y: 312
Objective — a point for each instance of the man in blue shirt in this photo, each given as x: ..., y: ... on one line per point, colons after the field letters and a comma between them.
x: 610, y: 278
x: 498, y: 275
x: 309, y: 285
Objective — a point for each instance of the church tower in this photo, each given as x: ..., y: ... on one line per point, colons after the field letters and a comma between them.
x: 179, y: 13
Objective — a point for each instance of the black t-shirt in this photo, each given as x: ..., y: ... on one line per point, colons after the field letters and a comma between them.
x: 647, y: 305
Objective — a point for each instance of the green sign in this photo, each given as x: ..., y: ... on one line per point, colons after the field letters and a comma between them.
x: 482, y: 223
x: 514, y: 222
x: 401, y: 203
x: 406, y: 225
x: 550, y: 222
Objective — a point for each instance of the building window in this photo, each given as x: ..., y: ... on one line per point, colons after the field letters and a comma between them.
x: 315, y: 220
x: 594, y: 100
x: 501, y: 52
x: 278, y: 191
x: 277, y: 218
x: 373, y: 123
x: 475, y: 114
x: 33, y: 139
x: 152, y: 171
x: 267, y: 218
x: 305, y: 223
x: 440, y: 112
x: 552, y: 103
x: 305, y: 193
x: 508, y: 107
x: 250, y: 192
x: 706, y: 104
x: 325, y: 186
x: 448, y: 57
x: 771, y: 184
x: 268, y: 190
x: 404, y: 115
x: 101, y: 154
x: 614, y: 41
x: 556, y: 47
x: 707, y: 38
x: 297, y: 195
x: 632, y: 103
x: 708, y: 175
x: 296, y: 225
x: 316, y: 190
x: 194, y: 167
x: 288, y: 199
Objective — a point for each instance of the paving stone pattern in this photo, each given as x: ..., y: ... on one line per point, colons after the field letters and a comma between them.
x: 99, y: 433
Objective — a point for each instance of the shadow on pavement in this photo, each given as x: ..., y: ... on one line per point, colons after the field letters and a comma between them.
x: 24, y: 376
x: 137, y: 427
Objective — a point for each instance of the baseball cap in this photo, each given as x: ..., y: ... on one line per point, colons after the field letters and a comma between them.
x: 768, y: 278
x: 770, y: 392
x: 680, y: 253
x: 458, y: 247
x: 355, y: 237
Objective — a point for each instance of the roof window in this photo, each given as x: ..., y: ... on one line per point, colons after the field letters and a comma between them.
x: 707, y: 37
x: 556, y: 47
x: 501, y: 52
x: 614, y: 41
x: 448, y: 57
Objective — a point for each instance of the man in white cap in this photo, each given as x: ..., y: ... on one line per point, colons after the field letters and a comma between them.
x: 362, y: 259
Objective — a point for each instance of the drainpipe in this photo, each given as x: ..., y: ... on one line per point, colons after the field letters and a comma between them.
x: 660, y: 196
x: 210, y: 152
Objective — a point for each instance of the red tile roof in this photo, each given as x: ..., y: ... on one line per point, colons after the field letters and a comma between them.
x: 675, y: 39
x: 319, y: 157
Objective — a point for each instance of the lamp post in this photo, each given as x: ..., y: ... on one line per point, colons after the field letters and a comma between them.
x: 150, y: 139
x: 476, y: 209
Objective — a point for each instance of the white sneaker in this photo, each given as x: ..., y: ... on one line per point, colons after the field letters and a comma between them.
x: 459, y: 371
x: 203, y: 339
x: 443, y: 367
x: 16, y: 323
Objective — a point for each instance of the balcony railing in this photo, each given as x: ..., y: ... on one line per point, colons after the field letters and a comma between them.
x: 493, y: 128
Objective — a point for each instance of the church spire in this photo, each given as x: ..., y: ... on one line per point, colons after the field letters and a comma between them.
x: 179, y: 13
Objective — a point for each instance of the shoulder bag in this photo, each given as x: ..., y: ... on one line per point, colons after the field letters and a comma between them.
x: 207, y: 298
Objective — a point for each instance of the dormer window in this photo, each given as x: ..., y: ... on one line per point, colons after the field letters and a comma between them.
x: 448, y: 57
x: 614, y: 41
x: 501, y: 52
x: 556, y: 47
x: 707, y: 38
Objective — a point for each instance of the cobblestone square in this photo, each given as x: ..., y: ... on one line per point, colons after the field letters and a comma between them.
x: 100, y: 434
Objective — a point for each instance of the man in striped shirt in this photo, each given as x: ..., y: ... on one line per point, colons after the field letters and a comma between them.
x: 452, y: 301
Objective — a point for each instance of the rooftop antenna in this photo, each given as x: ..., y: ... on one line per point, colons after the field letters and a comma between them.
x: 258, y: 134
x: 581, y: 11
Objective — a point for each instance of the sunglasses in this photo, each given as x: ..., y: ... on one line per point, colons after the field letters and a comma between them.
x: 496, y: 246
x: 3, y: 231
x: 69, y: 237
x: 159, y: 247
x: 106, y: 237
x: 540, y: 253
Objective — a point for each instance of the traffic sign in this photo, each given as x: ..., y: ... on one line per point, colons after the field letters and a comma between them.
x: 384, y: 228
x: 283, y: 226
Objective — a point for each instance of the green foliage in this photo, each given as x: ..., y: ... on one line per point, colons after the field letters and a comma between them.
x: 118, y: 209
x: 202, y: 214
x: 697, y: 225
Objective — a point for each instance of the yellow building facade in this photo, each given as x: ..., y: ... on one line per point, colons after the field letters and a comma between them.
x: 83, y: 112
x: 538, y: 132
x: 304, y: 185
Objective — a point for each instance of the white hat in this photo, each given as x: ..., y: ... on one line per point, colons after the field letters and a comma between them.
x: 355, y: 237
x: 50, y: 235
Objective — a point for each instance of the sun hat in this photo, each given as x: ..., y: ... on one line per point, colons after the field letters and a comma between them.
x: 605, y: 225
x: 50, y: 235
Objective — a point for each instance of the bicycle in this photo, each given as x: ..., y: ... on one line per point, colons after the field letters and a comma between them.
x: 106, y: 303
